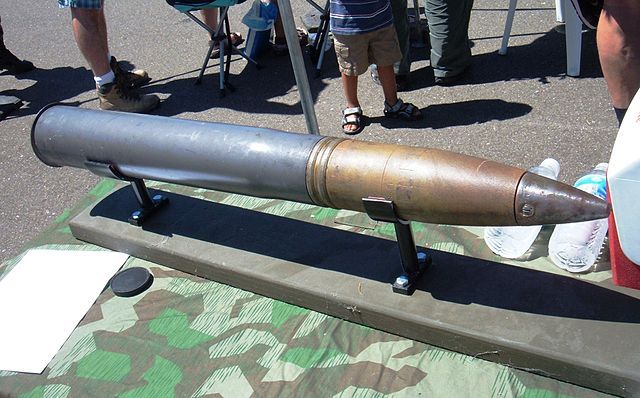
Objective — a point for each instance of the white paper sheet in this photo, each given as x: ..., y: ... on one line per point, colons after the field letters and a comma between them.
x: 43, y: 298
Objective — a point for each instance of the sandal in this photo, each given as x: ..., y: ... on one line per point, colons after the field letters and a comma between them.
x: 352, y: 117
x: 402, y: 110
x: 236, y: 40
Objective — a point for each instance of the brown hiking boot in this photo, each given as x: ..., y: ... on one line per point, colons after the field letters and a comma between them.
x: 113, y: 97
x: 136, y: 78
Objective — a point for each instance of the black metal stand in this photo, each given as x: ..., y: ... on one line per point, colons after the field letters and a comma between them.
x: 317, y: 48
x: 414, y: 263
x: 148, y: 205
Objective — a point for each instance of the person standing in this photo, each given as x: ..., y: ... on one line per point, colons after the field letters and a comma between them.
x: 450, y: 55
x: 448, y: 22
x: 363, y: 35
x: 618, y: 40
x: 115, y: 87
x: 403, y: 67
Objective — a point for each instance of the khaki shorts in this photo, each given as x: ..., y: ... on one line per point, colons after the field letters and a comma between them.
x: 356, y: 52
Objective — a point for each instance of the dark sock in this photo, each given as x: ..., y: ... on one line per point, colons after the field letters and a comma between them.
x: 620, y: 114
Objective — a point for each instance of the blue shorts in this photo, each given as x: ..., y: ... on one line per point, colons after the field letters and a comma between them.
x: 96, y: 4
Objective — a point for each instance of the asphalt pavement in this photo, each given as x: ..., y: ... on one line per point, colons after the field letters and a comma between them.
x: 516, y: 109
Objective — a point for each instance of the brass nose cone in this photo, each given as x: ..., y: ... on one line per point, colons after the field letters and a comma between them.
x: 540, y: 200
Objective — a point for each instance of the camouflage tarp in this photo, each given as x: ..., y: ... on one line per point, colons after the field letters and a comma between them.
x: 190, y: 337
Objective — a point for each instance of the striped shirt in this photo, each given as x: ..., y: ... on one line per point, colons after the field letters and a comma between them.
x: 352, y: 17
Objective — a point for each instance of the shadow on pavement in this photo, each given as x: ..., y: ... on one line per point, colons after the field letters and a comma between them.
x: 545, y: 57
x: 463, y: 113
x: 256, y: 89
x: 51, y: 85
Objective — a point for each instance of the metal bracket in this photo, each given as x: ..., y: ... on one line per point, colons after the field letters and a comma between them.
x: 414, y: 263
x: 148, y: 204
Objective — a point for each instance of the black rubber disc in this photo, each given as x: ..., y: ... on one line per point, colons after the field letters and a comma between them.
x: 131, y: 282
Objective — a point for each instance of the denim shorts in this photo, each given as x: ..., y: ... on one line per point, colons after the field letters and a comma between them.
x: 80, y: 3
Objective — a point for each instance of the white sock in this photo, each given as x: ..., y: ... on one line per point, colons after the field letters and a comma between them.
x: 109, y: 77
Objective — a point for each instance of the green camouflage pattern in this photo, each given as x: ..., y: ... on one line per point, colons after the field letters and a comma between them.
x: 190, y: 337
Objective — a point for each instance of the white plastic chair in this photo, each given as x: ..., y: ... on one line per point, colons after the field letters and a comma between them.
x: 573, y: 33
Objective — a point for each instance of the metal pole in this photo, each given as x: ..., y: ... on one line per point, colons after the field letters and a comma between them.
x: 299, y: 70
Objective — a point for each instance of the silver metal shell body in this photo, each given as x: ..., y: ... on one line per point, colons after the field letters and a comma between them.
x: 245, y: 160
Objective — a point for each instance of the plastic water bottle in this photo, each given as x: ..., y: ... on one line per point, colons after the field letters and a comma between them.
x: 575, y: 247
x: 513, y: 242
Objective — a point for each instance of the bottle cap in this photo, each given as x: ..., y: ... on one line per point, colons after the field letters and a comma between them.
x: 551, y: 164
x: 602, y: 166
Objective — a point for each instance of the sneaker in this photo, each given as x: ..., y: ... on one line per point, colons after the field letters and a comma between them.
x: 133, y: 79
x: 446, y: 80
x: 451, y: 80
x: 588, y: 11
x: 11, y: 63
x: 113, y: 97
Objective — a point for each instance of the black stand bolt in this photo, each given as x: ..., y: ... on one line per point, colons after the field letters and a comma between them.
x: 148, y: 205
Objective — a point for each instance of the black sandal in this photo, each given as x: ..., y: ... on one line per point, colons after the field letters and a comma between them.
x: 402, y: 110
x: 352, y: 117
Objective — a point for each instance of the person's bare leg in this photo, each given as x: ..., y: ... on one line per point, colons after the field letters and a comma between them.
x: 102, y: 29
x: 89, y: 30
x: 618, y: 38
x: 210, y: 17
x: 388, y: 82
x: 350, y: 89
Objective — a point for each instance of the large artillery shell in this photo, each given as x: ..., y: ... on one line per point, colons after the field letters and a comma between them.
x: 427, y: 185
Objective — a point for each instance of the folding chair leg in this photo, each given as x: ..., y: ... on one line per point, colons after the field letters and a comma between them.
x: 244, y: 55
x: 223, y: 40
x: 320, y: 41
x: 205, y: 63
x: 212, y: 34
x: 507, y: 27
x: 223, y: 46
x: 573, y: 39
